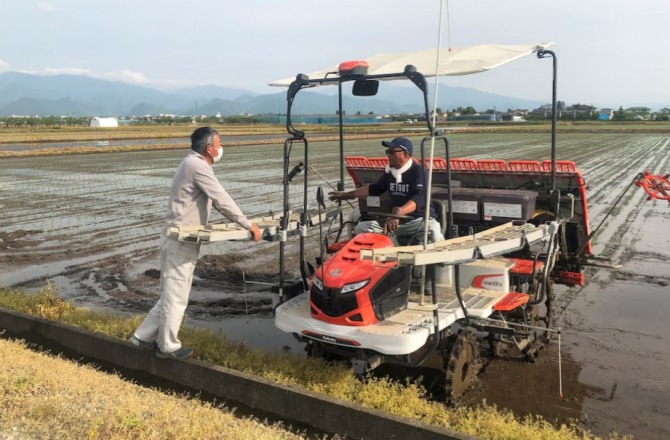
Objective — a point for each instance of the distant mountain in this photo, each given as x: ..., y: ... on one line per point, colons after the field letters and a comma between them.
x: 27, y: 106
x: 213, y: 91
x: 100, y: 96
x: 146, y: 108
x: 453, y: 97
x: 24, y: 94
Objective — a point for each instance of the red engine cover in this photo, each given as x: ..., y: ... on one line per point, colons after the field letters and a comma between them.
x: 344, y: 269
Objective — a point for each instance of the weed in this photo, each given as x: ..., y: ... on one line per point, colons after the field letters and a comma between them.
x: 96, y: 405
x: 406, y: 400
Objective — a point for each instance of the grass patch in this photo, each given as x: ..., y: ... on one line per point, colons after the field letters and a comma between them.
x: 39, y: 399
x: 406, y: 400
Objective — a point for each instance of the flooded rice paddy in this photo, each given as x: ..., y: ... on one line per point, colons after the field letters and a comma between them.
x: 90, y: 224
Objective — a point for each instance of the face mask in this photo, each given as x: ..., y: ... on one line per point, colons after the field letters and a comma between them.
x: 218, y: 156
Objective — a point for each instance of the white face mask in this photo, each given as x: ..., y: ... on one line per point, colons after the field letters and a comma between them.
x: 218, y: 156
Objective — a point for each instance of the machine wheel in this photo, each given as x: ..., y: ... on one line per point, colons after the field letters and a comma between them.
x: 462, y: 365
x: 541, y: 315
x: 549, y: 316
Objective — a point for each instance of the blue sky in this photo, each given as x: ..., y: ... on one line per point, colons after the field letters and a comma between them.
x: 610, y: 52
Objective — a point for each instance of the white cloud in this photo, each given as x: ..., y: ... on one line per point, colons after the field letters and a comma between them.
x: 127, y: 76
x: 66, y: 71
x: 46, y: 7
x: 3, y: 66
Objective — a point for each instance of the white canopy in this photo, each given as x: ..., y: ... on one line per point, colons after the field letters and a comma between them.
x: 457, y: 61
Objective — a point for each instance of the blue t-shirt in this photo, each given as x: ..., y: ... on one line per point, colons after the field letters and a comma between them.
x: 411, y: 187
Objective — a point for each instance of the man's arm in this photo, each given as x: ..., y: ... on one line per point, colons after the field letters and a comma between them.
x: 405, y: 209
x: 362, y: 191
x: 416, y: 196
x: 222, y: 202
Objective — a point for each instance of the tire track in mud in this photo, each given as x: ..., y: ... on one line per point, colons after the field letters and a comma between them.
x: 618, y: 346
x: 85, y: 212
x: 629, y: 160
x: 612, y: 174
x: 99, y: 203
x: 635, y: 198
x: 90, y: 216
x: 632, y: 155
x: 100, y: 216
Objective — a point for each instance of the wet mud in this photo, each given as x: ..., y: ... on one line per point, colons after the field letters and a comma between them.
x: 614, y: 342
x: 90, y: 224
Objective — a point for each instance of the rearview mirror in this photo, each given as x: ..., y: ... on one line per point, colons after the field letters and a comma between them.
x: 365, y: 87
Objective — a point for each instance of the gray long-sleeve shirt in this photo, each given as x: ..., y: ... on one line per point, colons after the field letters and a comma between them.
x: 195, y: 189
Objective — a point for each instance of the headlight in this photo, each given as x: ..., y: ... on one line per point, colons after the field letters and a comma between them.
x: 317, y: 282
x: 354, y: 286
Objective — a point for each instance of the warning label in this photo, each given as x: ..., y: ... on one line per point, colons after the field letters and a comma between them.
x: 507, y: 210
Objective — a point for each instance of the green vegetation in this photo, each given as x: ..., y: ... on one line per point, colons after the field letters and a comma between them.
x: 406, y: 400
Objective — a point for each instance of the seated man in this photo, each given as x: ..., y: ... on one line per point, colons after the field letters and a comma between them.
x: 404, y: 180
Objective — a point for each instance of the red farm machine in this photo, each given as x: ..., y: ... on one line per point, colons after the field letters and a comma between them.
x: 513, y: 229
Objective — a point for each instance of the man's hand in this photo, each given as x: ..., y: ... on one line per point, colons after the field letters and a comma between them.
x: 255, y: 232
x: 391, y: 225
x: 336, y: 195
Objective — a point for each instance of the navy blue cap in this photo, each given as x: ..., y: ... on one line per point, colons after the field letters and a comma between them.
x: 400, y: 142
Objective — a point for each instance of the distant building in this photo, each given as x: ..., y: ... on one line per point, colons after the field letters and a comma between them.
x: 639, y: 113
x: 104, y: 122
x: 581, y: 111
x: 544, y: 111
x: 605, y: 114
x: 662, y: 115
x: 515, y: 116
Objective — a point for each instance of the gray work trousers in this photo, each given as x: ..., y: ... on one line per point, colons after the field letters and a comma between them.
x: 178, y: 259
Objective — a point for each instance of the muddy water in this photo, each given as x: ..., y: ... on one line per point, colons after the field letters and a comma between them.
x: 90, y: 224
x: 614, y: 341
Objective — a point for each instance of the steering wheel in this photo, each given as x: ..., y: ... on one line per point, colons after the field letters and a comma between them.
x: 389, y: 215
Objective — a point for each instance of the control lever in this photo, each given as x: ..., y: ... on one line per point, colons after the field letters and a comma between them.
x: 296, y: 169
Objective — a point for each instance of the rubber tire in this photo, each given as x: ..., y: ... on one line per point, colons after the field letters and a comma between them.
x: 463, y: 363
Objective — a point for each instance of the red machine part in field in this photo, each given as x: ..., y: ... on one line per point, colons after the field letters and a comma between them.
x: 498, y: 174
x: 655, y: 185
x: 348, y: 291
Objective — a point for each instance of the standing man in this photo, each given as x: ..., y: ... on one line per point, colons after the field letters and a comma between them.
x: 403, y: 179
x: 195, y: 189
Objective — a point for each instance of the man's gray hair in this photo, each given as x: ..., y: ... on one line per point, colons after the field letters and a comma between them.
x: 202, y: 137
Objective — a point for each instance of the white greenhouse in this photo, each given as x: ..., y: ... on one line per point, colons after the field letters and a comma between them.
x: 104, y: 122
